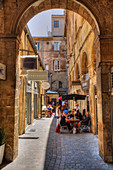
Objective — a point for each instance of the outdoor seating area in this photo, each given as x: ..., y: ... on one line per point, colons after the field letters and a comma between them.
x: 72, y: 121
x: 47, y: 111
x: 77, y: 125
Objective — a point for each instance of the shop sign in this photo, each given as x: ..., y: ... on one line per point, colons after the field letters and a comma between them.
x: 85, y: 85
x: 45, y: 85
x: 2, y: 71
x: 34, y: 75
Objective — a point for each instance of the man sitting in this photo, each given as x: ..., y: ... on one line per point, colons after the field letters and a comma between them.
x: 86, y: 119
x: 71, y: 114
x: 79, y: 116
x: 64, y: 120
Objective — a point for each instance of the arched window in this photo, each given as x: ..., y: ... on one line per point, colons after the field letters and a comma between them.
x: 84, y: 67
x: 77, y: 74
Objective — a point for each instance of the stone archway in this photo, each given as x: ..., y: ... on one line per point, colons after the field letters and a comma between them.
x: 14, y: 15
x: 31, y: 8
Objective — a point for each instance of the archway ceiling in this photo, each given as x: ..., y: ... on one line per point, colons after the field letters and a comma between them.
x: 97, y: 13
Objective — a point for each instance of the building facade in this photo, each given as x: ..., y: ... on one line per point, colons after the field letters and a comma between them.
x: 82, y: 65
x: 52, y: 50
x: 30, y: 91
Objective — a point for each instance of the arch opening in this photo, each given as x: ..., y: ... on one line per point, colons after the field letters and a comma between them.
x: 30, y: 9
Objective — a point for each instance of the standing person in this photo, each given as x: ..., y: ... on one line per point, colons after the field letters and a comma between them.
x: 58, y: 113
x: 64, y: 106
x: 77, y: 107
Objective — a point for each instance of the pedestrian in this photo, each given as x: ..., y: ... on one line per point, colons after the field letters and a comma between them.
x: 58, y: 113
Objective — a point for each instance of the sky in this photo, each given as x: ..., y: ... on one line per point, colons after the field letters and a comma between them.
x: 40, y: 24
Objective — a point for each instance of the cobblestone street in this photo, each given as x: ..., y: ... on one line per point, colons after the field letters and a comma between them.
x: 64, y: 151
x: 70, y: 152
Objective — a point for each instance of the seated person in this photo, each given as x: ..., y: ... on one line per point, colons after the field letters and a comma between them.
x: 69, y: 111
x: 71, y: 115
x: 64, y: 122
x: 49, y: 107
x: 80, y: 117
x: 86, y: 119
x: 84, y: 112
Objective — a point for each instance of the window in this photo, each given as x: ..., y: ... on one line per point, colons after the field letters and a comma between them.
x: 47, y: 67
x: 86, y: 76
x: 56, y: 24
x: 56, y: 46
x: 60, y: 84
x: 38, y: 46
x: 56, y: 65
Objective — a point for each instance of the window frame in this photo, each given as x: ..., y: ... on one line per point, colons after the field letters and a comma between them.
x: 56, y: 46
x: 46, y: 65
x: 57, y: 65
x: 38, y: 46
x: 56, y: 23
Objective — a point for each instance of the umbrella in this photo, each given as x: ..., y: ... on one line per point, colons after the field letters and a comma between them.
x: 73, y: 97
x: 59, y: 98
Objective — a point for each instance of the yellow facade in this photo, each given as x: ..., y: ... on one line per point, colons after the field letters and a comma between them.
x: 81, y: 57
x: 30, y: 101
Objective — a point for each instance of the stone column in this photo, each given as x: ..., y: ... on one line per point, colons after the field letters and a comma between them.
x: 9, y: 93
x: 22, y: 109
x: 104, y: 62
x: 32, y: 103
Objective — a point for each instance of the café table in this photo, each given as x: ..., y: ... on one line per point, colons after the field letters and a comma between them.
x: 73, y: 120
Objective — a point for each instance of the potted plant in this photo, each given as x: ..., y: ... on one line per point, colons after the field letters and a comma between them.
x: 2, y: 143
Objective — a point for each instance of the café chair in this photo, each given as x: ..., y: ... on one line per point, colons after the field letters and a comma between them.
x: 85, y: 126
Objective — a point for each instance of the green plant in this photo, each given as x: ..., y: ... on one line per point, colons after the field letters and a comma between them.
x: 2, y: 136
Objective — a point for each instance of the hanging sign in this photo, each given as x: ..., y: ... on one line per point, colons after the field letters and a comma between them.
x: 2, y: 71
x: 34, y: 75
x: 45, y: 85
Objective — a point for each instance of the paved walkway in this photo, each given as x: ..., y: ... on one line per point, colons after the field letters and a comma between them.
x: 64, y: 151
x: 32, y: 150
x: 73, y: 152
